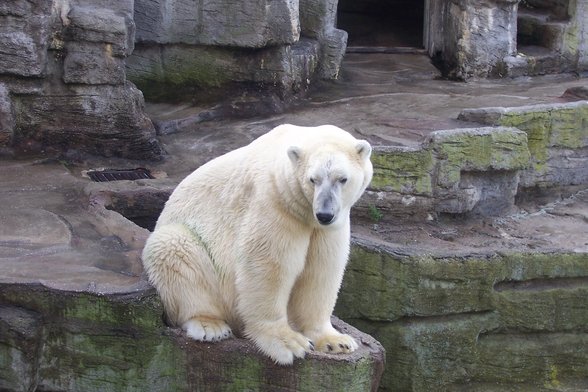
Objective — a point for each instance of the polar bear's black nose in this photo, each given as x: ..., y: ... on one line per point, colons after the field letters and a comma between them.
x: 324, y: 217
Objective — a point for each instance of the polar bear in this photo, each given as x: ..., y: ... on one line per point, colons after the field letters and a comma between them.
x: 256, y: 241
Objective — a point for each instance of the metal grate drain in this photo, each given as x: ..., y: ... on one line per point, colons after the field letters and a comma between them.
x: 105, y: 175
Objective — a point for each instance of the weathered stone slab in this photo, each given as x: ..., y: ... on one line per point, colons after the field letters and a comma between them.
x: 118, y: 342
x: 318, y: 20
x: 27, y: 229
x: 20, y: 330
x: 6, y: 117
x: 460, y: 323
x: 92, y: 63
x: 558, y: 139
x: 467, y: 162
x: 472, y: 36
x: 104, y: 120
x: 22, y: 50
x: 469, y: 170
x: 114, y: 26
x: 334, y: 43
x: 248, y: 24
x: 156, y: 69
x: 317, y: 16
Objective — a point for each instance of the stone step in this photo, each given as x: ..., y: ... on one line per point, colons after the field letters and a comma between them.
x: 540, y: 28
x: 478, y: 322
x: 78, y: 341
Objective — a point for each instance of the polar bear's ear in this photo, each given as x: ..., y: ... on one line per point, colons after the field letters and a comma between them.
x: 363, y: 149
x: 294, y: 154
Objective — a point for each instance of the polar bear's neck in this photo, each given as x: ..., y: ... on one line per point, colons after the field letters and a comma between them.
x: 290, y: 198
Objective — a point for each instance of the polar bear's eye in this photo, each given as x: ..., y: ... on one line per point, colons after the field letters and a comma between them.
x: 312, y: 180
x: 343, y: 180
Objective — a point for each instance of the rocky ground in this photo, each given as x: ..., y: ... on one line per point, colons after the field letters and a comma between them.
x: 65, y: 232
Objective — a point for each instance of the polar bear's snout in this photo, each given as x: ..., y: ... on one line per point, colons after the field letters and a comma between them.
x: 325, y: 218
x: 326, y: 206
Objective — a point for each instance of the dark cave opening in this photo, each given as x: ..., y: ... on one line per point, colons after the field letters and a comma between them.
x: 381, y: 23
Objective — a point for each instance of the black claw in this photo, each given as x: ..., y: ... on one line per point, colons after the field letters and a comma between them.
x: 329, y: 347
x: 347, y: 347
x: 311, y: 343
x: 341, y: 346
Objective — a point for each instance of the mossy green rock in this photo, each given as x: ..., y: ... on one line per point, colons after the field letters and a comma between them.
x: 489, y: 323
x: 477, y: 149
x: 453, y: 171
x: 79, y: 341
x: 558, y: 137
x: 402, y: 170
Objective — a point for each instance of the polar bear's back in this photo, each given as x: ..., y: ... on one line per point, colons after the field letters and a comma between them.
x: 211, y: 198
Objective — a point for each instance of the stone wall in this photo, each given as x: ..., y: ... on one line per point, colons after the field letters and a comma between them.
x: 469, y: 38
x: 65, y: 65
x: 482, y: 170
x: 195, y: 47
x: 459, y: 171
x: 55, y: 340
x: 558, y: 140
x: 509, y: 322
x: 63, y: 82
x: 478, y: 38
x: 493, y: 303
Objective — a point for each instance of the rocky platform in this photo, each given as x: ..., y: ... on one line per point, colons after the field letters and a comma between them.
x: 469, y: 259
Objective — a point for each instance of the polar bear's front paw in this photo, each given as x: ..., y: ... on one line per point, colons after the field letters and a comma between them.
x: 282, y: 344
x: 207, y: 329
x: 336, y: 343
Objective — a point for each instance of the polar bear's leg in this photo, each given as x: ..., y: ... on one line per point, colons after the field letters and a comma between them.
x: 264, y: 283
x: 315, y: 293
x: 179, y: 266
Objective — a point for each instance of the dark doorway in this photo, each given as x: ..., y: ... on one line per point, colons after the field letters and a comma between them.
x: 382, y: 23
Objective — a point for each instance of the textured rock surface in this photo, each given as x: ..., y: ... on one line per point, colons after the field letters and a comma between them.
x: 431, y: 277
x: 472, y: 37
x: 63, y: 82
x: 558, y: 140
x: 253, y: 24
x: 476, y: 38
x: 161, y: 70
x: 205, y: 45
x: 82, y: 341
x: 459, y: 171
x: 496, y: 322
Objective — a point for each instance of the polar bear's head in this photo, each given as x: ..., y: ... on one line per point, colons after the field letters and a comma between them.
x: 333, y: 170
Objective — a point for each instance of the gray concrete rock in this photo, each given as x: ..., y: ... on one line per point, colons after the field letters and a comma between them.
x: 92, y: 63
x: 64, y: 84
x: 103, y: 25
x: 23, y: 43
x: 6, y: 117
x: 558, y: 139
x: 100, y: 119
x: 218, y: 22
x: 473, y: 36
x: 158, y: 68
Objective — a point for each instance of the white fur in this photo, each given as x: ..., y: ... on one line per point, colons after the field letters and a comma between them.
x: 239, y: 247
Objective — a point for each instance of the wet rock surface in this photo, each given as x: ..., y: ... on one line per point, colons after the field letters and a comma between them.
x: 458, y: 297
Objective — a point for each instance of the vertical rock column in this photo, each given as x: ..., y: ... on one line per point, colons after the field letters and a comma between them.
x: 318, y: 20
x: 63, y: 67
x: 471, y: 37
x: 24, y: 30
